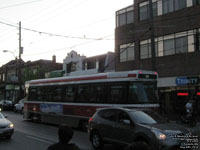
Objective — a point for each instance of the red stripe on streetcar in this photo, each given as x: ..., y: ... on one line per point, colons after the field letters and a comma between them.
x: 182, y: 94
x: 74, y: 79
x: 131, y: 75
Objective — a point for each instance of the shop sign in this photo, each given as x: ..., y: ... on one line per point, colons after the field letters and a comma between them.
x: 187, y: 80
x: 9, y: 87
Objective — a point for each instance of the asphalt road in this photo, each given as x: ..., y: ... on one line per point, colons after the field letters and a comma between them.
x: 37, y: 136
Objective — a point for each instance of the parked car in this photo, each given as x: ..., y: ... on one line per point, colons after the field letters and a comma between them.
x: 6, y: 127
x: 6, y: 104
x: 19, y: 106
x: 121, y: 126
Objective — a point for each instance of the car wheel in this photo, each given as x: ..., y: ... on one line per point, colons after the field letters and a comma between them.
x: 96, y: 140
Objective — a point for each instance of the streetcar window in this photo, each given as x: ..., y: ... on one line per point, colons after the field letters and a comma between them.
x: 141, y: 93
x: 40, y: 93
x: 48, y: 94
x: 97, y: 95
x: 32, y: 94
x: 83, y: 93
x: 58, y: 94
x: 117, y: 93
x: 69, y: 94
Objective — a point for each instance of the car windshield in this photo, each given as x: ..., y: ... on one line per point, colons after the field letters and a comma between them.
x: 8, y: 102
x: 146, y: 118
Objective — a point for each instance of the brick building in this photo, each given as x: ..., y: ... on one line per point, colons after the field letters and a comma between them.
x: 176, y: 33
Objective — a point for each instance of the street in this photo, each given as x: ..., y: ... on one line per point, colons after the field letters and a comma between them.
x: 32, y: 136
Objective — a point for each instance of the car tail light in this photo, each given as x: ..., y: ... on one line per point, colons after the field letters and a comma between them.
x: 90, y: 120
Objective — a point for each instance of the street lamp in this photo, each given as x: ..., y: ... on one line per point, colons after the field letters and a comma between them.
x: 5, y: 51
x: 19, y: 69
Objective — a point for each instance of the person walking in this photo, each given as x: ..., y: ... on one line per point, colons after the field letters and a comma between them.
x: 65, y: 134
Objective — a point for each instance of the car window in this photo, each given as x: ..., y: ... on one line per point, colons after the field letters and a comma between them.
x: 21, y: 101
x: 109, y: 114
x: 8, y: 102
x: 123, y: 116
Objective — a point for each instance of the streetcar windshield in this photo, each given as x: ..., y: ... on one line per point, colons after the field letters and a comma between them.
x: 142, y: 92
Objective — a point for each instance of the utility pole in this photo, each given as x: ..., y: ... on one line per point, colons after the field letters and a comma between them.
x: 152, y: 35
x: 20, y: 64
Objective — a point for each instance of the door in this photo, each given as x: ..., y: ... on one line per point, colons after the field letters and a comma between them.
x: 123, y: 132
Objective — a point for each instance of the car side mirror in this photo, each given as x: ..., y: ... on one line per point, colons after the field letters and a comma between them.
x: 5, y: 116
x: 126, y: 122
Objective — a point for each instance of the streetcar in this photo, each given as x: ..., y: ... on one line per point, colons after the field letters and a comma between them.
x: 74, y: 99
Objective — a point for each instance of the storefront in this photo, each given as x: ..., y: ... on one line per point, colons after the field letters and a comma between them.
x: 174, y: 92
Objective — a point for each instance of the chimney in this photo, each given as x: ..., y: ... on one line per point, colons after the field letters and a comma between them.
x: 54, y: 59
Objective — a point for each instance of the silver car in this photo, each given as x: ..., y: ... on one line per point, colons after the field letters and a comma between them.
x: 6, y: 127
x: 19, y: 106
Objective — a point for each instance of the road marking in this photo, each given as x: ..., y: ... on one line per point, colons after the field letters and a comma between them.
x: 39, y: 139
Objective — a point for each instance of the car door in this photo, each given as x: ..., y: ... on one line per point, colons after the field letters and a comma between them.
x: 106, y: 123
x: 124, y: 130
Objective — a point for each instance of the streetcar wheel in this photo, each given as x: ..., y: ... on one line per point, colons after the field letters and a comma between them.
x: 96, y: 140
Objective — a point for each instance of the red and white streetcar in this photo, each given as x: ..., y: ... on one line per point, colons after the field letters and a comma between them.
x: 74, y: 99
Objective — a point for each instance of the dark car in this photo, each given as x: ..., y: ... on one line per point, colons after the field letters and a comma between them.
x: 121, y: 126
x: 6, y: 127
x: 6, y: 105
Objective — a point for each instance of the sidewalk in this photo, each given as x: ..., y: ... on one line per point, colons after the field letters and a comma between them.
x: 194, y: 130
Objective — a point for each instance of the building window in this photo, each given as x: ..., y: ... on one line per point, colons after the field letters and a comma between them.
x: 168, y: 6
x: 196, y: 2
x: 169, y: 47
x: 180, y: 4
x: 144, y: 10
x: 130, y: 17
x: 127, y: 52
x: 125, y: 16
x: 145, y: 49
x: 3, y: 77
x: 197, y: 41
x: 181, y: 44
x: 35, y: 71
x: 122, y: 19
x: 173, y: 5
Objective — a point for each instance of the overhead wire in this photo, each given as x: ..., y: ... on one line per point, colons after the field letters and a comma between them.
x: 55, y: 15
x: 45, y: 11
x: 124, y: 49
x: 61, y: 49
x: 20, y: 4
x: 52, y: 34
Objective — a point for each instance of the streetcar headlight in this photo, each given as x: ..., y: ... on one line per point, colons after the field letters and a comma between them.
x: 159, y: 135
x: 11, y: 125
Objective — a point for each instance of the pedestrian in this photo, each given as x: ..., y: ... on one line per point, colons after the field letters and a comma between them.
x: 137, y: 146
x: 65, y: 134
x: 189, y: 108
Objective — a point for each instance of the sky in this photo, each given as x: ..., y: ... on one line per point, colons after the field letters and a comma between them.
x: 56, y: 27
